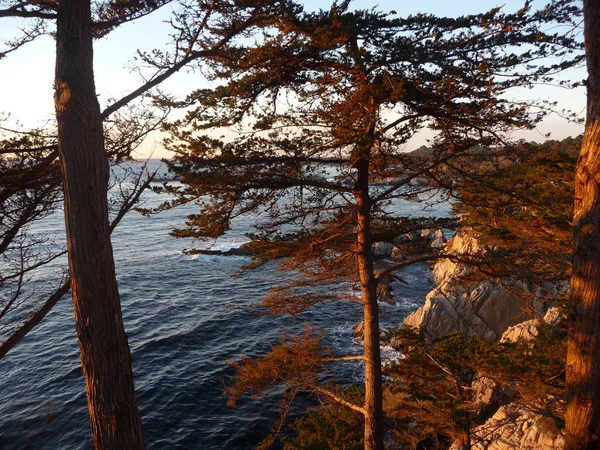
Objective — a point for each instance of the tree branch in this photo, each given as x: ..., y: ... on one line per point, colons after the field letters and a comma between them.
x: 19, y: 11
x: 339, y: 399
x: 344, y: 358
x: 36, y: 317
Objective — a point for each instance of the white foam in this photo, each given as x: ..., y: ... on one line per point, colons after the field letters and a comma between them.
x: 390, y: 356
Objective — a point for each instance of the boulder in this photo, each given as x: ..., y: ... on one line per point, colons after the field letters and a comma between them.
x: 407, y: 237
x: 530, y: 328
x: 525, y: 330
x: 384, y: 289
x: 486, y: 308
x: 382, y: 249
x: 463, y: 243
x: 428, y: 233
x: 554, y: 315
x: 438, y: 239
x: 358, y: 331
x: 242, y: 250
x: 397, y: 254
x: 488, y: 396
x: 513, y: 427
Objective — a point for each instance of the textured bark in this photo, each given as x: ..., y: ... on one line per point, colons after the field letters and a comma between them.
x: 373, y: 437
x: 105, y: 357
x: 583, y: 358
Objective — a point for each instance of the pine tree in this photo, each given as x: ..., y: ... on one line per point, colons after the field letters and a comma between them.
x: 204, y: 29
x: 326, y: 102
x: 583, y: 360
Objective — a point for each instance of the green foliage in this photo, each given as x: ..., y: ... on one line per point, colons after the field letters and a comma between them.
x: 324, y: 93
x: 325, y: 103
x: 293, y: 363
x: 330, y: 426
x: 521, y: 209
x: 429, y: 394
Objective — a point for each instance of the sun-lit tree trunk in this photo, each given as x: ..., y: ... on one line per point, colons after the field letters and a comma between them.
x: 105, y: 357
x: 583, y: 359
x: 373, y: 436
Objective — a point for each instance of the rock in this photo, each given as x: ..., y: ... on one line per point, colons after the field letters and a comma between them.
x: 397, y: 254
x: 385, y: 336
x: 488, y: 396
x: 485, y: 308
x: 358, y: 331
x: 525, y: 330
x: 382, y: 249
x: 439, y: 239
x: 513, y: 427
x: 554, y: 315
x: 529, y: 329
x: 483, y: 390
x: 407, y: 237
x: 242, y: 250
x: 384, y: 290
x: 462, y: 243
x: 396, y: 343
x: 436, y: 236
x: 438, y: 242
x: 428, y: 233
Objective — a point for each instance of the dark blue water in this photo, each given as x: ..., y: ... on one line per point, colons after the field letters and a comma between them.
x: 185, y: 317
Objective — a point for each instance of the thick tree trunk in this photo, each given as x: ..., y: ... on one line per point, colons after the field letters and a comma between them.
x: 105, y: 358
x: 373, y: 385
x: 583, y: 359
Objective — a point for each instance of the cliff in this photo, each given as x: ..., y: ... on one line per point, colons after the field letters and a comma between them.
x: 493, y: 309
x: 486, y: 308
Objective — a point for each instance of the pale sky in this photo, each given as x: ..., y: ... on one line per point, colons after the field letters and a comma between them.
x: 26, y: 76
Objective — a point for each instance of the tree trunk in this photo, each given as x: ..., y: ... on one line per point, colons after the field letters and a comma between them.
x: 105, y: 357
x: 583, y: 358
x: 373, y: 386
x: 463, y: 440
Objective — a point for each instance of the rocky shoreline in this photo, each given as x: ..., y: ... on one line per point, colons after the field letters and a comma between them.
x: 491, y: 308
x: 494, y: 310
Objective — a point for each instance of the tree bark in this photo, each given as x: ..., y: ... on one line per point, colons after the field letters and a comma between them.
x: 105, y: 357
x: 373, y: 435
x: 583, y: 357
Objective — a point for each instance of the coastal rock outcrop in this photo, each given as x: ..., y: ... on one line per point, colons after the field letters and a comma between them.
x: 530, y: 328
x: 513, y: 427
x: 493, y: 309
x: 358, y: 331
x: 486, y: 308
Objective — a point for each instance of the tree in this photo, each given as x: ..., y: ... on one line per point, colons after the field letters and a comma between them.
x: 205, y: 29
x: 326, y: 102
x: 519, y: 205
x: 583, y: 360
x: 520, y: 209
x: 31, y: 190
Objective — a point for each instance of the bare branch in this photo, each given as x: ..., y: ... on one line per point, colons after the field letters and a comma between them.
x: 339, y: 399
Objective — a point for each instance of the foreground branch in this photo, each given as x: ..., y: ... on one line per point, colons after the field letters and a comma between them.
x: 339, y: 399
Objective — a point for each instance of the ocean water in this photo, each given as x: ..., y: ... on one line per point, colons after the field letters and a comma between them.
x: 186, y: 317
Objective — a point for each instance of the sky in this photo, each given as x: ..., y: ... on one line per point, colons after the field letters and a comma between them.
x: 26, y: 76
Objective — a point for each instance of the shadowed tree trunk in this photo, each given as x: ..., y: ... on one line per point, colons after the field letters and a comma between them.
x: 105, y: 358
x: 583, y: 359
x: 373, y: 436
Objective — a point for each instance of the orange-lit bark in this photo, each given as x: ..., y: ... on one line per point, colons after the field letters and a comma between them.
x: 105, y: 358
x: 373, y: 434
x: 583, y: 359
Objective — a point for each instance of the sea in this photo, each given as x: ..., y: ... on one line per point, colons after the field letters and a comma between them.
x: 187, y: 317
